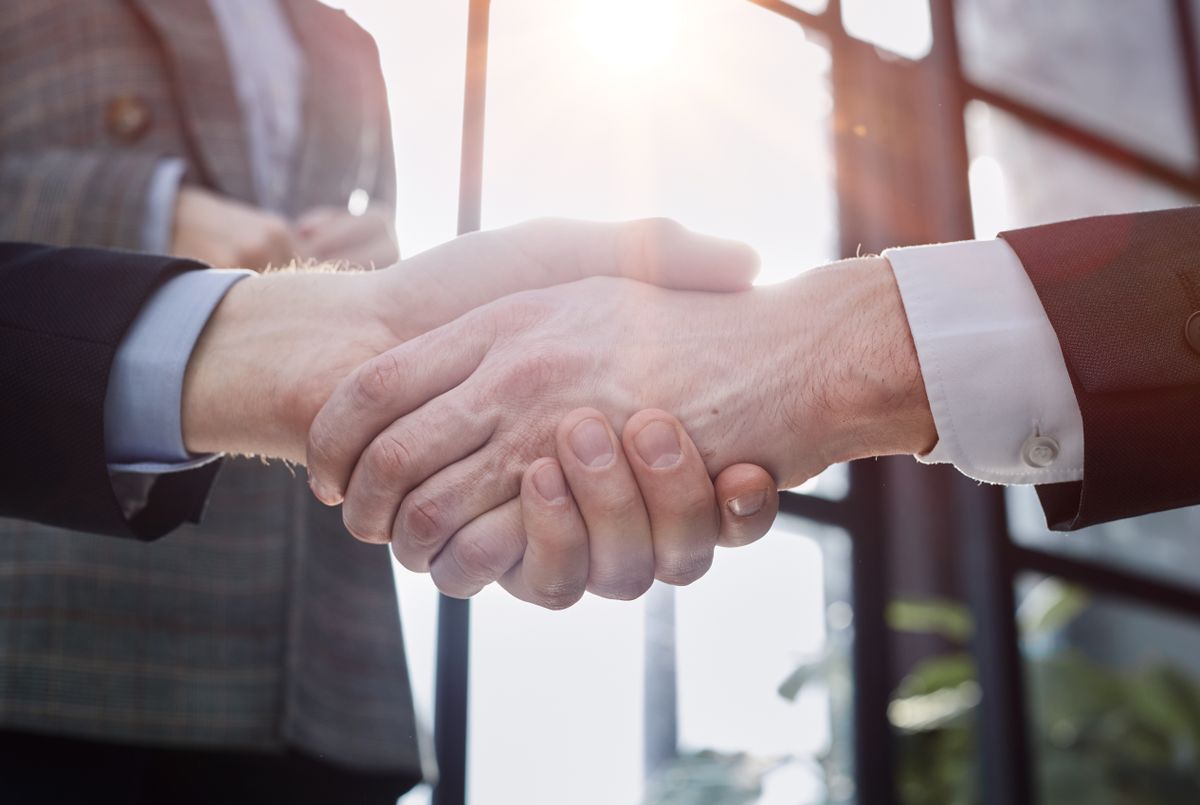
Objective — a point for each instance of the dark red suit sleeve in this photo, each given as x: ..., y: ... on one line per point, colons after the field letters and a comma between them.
x: 1120, y: 292
x: 63, y: 312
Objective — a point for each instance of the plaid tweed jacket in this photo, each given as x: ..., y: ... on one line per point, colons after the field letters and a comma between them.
x: 268, y: 627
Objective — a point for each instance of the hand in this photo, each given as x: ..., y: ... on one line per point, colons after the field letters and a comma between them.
x: 277, y: 345
x: 650, y: 512
x: 428, y: 443
x: 228, y: 234
x: 333, y: 234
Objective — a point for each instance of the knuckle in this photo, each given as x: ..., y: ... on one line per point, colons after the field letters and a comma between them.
x: 387, y: 458
x: 363, y: 531
x: 618, y: 506
x: 558, y: 595
x: 650, y: 233
x: 479, y: 560
x: 375, y: 383
x: 658, y: 227
x: 533, y: 373
x: 423, y: 523
x: 680, y: 570
x: 410, y: 560
x: 621, y: 586
x: 452, y: 585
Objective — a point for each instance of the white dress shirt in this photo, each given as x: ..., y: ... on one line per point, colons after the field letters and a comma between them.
x: 997, y: 381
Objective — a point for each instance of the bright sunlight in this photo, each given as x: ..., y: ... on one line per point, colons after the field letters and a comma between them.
x: 630, y: 35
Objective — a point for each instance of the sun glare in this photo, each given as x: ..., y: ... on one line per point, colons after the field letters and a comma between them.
x: 629, y: 35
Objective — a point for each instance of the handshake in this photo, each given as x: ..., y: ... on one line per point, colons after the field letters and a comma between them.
x: 560, y: 407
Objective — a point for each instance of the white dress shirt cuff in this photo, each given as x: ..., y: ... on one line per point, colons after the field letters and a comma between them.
x: 997, y: 381
x: 143, y: 430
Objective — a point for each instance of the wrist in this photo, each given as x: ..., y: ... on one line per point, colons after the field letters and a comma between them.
x: 269, y: 358
x: 863, y: 382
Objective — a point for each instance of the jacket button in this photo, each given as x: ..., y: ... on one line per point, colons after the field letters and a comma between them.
x: 128, y: 118
x: 1192, y: 331
x: 1040, y: 452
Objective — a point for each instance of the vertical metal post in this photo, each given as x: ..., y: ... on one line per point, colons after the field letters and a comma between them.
x: 988, y: 568
x: 454, y: 616
x: 874, y: 764
x: 660, y: 720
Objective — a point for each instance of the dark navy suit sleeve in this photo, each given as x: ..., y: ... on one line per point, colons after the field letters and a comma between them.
x: 63, y: 313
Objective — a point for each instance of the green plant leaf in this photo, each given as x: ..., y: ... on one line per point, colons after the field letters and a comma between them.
x: 938, y: 673
x: 944, y: 618
x: 790, y: 688
x: 1049, y: 606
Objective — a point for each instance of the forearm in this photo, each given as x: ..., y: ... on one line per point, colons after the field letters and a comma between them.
x: 269, y: 357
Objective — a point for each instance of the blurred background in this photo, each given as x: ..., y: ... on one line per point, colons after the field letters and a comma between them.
x: 904, y: 635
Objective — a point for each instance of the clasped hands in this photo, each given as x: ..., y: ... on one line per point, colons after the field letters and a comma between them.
x: 559, y: 399
x: 468, y: 449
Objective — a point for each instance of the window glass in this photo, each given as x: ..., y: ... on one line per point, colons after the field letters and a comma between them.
x: 716, y: 113
x: 555, y: 702
x: 1021, y: 176
x: 763, y: 659
x: 1114, y: 697
x: 900, y: 26
x: 1163, y: 545
x: 1111, y: 66
x: 811, y: 6
x: 833, y: 484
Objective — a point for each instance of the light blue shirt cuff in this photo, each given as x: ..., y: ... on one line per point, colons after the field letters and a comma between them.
x: 160, y: 206
x: 143, y: 429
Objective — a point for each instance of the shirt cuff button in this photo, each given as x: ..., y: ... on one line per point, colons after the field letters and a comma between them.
x: 1040, y: 452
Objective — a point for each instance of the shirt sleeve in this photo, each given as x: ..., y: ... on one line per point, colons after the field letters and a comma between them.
x: 997, y: 382
x: 143, y: 430
x: 160, y: 206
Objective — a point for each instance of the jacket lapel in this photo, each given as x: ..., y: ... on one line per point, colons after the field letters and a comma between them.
x: 203, y: 83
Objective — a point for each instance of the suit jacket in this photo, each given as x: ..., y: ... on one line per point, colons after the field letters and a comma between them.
x: 269, y: 627
x: 1120, y: 292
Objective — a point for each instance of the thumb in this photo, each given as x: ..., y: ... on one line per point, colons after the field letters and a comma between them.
x: 473, y: 270
x: 749, y: 501
x: 662, y: 252
x: 658, y: 251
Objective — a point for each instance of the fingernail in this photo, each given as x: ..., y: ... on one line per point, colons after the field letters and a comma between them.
x: 324, y: 494
x: 747, y: 505
x: 550, y: 484
x: 590, y: 442
x: 658, y: 445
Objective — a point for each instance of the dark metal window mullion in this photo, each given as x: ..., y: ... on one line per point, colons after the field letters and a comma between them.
x: 452, y: 678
